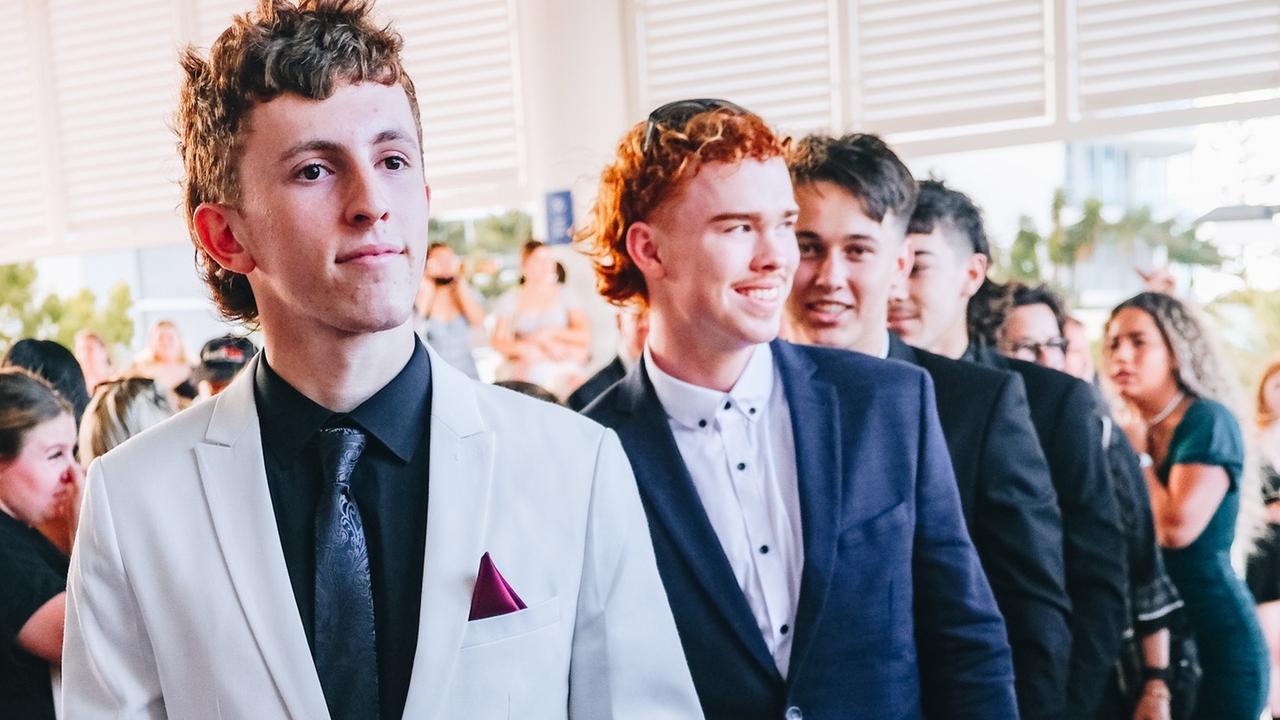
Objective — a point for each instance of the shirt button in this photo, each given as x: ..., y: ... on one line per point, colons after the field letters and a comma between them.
x: 742, y: 466
x: 793, y: 713
x: 752, y: 411
x: 726, y: 406
x: 764, y: 549
x: 702, y: 423
x: 785, y: 629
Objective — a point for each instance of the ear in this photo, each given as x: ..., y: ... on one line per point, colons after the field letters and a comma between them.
x: 902, y: 269
x: 974, y: 273
x: 213, y: 223
x: 643, y: 249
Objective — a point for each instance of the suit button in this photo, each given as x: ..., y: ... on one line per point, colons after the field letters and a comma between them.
x: 793, y: 713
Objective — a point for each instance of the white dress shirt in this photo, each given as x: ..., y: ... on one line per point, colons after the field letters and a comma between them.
x: 740, y: 451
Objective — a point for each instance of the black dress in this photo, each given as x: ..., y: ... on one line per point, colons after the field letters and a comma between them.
x: 34, y: 572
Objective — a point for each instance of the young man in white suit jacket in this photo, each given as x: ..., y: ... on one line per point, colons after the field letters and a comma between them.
x: 307, y: 200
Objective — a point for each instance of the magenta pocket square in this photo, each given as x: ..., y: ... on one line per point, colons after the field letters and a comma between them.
x: 492, y: 596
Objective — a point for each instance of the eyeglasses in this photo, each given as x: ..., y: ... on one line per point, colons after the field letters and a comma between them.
x: 1032, y: 350
x: 676, y: 115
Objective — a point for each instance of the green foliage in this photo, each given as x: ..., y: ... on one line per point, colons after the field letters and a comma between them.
x: 1246, y: 320
x: 1024, y: 256
x: 58, y: 318
x: 503, y: 234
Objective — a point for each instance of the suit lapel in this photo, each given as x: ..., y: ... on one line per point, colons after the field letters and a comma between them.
x: 815, y: 423
x: 668, y: 489
x: 233, y: 474
x: 460, y: 477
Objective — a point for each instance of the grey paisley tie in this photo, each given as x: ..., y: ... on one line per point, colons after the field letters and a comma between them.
x: 345, y: 649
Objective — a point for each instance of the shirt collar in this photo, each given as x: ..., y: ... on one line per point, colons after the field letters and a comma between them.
x: 395, y: 416
x: 693, y: 406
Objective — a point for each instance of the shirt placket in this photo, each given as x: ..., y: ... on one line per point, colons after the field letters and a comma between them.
x: 748, y: 477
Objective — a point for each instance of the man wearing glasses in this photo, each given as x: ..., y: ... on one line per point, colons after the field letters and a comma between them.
x: 801, y: 500
x: 950, y: 267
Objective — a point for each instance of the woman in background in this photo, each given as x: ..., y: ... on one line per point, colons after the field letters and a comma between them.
x: 1177, y: 394
x: 544, y: 338
x: 39, y: 483
x: 119, y: 410
x: 448, y: 313
x: 56, y: 364
x: 165, y: 361
x: 94, y: 358
x: 1263, y: 571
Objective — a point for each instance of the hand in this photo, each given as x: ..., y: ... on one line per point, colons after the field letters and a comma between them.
x: 60, y: 528
x: 1154, y: 703
x: 1130, y: 420
x: 1158, y: 280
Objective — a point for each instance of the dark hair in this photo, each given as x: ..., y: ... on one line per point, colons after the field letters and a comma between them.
x: 937, y: 204
x: 436, y: 246
x: 57, y: 365
x: 307, y: 49
x: 26, y: 400
x: 533, y: 390
x: 1021, y: 294
x: 861, y: 164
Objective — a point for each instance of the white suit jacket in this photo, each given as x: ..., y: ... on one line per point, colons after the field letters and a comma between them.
x: 179, y: 603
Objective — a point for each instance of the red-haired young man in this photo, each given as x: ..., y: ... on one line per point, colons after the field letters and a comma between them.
x: 801, y: 501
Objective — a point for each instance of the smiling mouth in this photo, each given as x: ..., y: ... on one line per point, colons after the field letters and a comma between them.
x: 764, y: 294
x: 372, y: 253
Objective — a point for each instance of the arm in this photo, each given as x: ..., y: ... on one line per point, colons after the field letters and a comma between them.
x: 467, y: 303
x: 1093, y: 547
x: 1183, y: 510
x: 1018, y: 533
x: 108, y: 668
x: 1154, y: 703
x: 627, y: 661
x: 963, y: 650
x: 42, y: 634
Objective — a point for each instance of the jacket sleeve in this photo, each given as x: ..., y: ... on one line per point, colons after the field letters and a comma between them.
x: 1094, y: 548
x: 108, y: 668
x: 627, y: 663
x: 1018, y: 532
x: 962, y: 648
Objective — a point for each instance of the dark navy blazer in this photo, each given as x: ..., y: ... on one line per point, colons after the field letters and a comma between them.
x: 895, y: 617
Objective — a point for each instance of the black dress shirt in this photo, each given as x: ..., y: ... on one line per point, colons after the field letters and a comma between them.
x: 390, y: 487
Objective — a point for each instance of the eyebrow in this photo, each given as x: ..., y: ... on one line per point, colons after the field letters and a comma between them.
x: 389, y: 135
x: 811, y: 235
x: 723, y: 217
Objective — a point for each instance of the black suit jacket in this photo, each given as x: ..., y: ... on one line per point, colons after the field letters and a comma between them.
x: 595, y: 385
x: 895, y: 619
x: 1062, y: 409
x: 1011, y: 510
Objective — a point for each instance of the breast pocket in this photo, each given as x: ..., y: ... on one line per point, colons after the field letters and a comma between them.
x: 514, y: 624
x: 876, y: 527
x: 513, y: 666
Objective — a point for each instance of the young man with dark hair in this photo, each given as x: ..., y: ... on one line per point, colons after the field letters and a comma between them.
x: 801, y: 499
x: 855, y: 198
x: 951, y: 260
x: 353, y: 528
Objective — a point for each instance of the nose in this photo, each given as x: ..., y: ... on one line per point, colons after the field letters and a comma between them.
x: 775, y: 251
x: 366, y: 203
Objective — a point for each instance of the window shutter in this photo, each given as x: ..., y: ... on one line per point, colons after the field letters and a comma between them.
x: 1131, y: 53
x: 115, y: 81
x: 462, y: 57
x: 22, y: 182
x: 774, y: 57
x: 938, y: 64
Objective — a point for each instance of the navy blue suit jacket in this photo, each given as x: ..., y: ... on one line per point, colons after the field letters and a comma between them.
x: 895, y: 618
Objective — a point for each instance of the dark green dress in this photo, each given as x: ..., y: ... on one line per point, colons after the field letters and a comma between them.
x: 1219, y: 608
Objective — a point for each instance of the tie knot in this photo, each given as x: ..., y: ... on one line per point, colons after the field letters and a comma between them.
x: 340, y: 450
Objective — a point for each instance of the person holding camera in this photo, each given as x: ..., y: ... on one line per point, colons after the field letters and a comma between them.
x: 448, y: 312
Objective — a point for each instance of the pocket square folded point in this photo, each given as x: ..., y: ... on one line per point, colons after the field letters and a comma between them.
x: 492, y: 595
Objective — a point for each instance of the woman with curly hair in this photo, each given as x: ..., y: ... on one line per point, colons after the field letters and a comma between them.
x: 1178, y: 392
x: 1263, y: 571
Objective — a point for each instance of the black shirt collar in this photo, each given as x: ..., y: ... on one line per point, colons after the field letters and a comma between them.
x: 396, y: 415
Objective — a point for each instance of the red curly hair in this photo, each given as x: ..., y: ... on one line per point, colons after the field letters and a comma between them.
x: 636, y: 183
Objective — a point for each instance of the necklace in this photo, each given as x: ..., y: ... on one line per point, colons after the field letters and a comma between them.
x: 1167, y: 411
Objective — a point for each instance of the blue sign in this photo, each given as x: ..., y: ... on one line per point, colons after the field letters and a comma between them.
x: 559, y: 217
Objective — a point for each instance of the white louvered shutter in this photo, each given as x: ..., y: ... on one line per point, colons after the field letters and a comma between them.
x: 461, y: 55
x: 1140, y: 52
x: 938, y: 64
x: 774, y: 57
x: 115, y: 79
x: 22, y: 182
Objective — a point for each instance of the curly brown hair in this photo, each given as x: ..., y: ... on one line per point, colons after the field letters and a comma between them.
x: 638, y: 181
x: 307, y: 48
